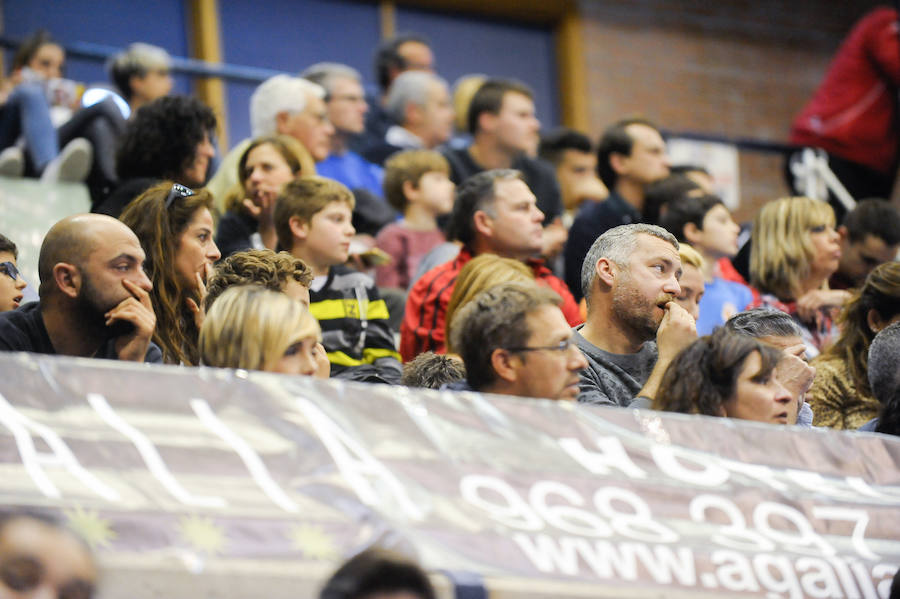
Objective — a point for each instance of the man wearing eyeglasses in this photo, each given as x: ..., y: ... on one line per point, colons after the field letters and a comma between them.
x: 345, y: 101
x: 514, y: 340
x: 40, y: 559
x: 94, y: 294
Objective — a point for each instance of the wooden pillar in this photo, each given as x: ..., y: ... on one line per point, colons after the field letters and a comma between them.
x: 570, y: 61
x: 207, y: 45
x: 387, y: 13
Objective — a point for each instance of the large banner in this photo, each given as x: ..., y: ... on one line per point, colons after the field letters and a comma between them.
x: 235, y: 484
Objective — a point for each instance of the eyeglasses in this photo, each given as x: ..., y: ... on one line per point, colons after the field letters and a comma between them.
x: 352, y: 98
x: 562, y: 346
x: 24, y: 573
x: 9, y: 269
x: 178, y: 191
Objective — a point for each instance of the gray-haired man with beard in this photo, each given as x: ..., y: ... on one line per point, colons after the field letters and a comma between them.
x: 95, y: 300
x: 634, y: 329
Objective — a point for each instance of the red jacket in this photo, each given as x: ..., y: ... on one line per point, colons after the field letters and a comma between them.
x: 426, y: 306
x: 851, y: 114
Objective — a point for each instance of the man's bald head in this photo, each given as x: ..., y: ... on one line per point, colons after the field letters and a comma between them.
x: 72, y: 240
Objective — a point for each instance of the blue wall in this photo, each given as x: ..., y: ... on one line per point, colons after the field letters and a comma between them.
x: 106, y: 22
x: 290, y: 35
x: 464, y: 45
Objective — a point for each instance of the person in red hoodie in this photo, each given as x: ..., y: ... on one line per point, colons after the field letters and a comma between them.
x: 852, y: 115
x: 495, y: 213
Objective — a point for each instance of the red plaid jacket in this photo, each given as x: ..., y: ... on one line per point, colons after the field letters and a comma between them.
x: 426, y: 306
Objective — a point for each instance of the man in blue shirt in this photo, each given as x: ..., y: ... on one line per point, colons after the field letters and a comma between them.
x: 346, y: 104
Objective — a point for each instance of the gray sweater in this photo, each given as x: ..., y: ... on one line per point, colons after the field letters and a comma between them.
x: 613, y: 379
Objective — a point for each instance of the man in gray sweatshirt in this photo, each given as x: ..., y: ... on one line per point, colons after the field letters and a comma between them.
x: 634, y: 329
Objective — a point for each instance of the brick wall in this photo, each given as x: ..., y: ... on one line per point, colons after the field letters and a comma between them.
x: 741, y: 68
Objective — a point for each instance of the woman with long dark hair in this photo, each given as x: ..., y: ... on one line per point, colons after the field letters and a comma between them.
x: 725, y: 374
x: 175, y: 227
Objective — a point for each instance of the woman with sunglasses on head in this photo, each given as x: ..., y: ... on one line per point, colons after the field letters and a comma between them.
x: 795, y: 249
x: 175, y: 227
x: 254, y: 328
x: 265, y: 167
x: 725, y: 374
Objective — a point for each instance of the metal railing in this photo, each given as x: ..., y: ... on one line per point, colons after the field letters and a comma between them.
x: 187, y: 66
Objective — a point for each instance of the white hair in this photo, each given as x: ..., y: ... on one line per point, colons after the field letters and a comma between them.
x: 281, y: 93
x: 409, y: 86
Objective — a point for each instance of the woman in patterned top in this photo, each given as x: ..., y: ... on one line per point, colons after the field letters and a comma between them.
x: 840, y: 396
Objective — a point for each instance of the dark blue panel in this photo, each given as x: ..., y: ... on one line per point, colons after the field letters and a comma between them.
x: 289, y: 35
x: 466, y: 44
x: 105, y: 22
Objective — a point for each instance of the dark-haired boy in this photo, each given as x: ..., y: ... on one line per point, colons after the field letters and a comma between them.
x: 706, y: 224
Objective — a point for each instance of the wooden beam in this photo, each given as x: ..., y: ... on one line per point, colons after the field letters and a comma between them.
x: 207, y: 45
x: 570, y: 64
x: 387, y: 13
x: 532, y: 11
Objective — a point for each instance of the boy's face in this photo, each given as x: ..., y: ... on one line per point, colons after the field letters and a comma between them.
x: 720, y: 232
x: 436, y: 192
x: 328, y: 234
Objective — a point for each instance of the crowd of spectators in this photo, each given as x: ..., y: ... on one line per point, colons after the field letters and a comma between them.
x: 359, y: 236
x: 402, y: 238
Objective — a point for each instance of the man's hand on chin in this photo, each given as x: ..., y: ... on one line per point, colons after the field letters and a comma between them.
x: 138, y: 311
x: 676, y: 331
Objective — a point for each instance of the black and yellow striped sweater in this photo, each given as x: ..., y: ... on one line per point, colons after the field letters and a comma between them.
x: 354, y: 321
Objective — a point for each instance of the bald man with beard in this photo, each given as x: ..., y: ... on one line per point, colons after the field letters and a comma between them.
x: 94, y: 294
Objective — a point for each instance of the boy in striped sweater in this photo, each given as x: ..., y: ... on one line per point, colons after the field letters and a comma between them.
x: 313, y: 222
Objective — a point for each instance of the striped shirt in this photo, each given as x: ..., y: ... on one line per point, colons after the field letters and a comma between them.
x: 354, y: 321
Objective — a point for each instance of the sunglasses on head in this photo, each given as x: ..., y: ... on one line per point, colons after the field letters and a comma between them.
x: 24, y: 573
x: 9, y: 269
x: 178, y: 191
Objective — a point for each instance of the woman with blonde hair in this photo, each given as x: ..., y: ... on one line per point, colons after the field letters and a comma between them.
x: 254, y: 328
x: 264, y: 168
x: 840, y: 396
x: 795, y: 249
x: 175, y: 227
x: 481, y: 273
x: 691, y: 281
